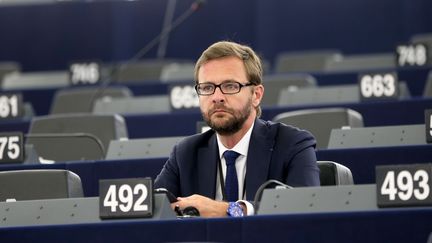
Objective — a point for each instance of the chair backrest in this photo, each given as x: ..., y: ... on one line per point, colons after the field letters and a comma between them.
x: 143, y: 70
x: 334, y: 174
x: 177, y: 72
x: 79, y: 100
x: 329, y: 94
x: 133, y: 105
x: 305, y: 61
x: 34, y: 80
x: 39, y: 184
x: 8, y: 67
x: 377, y: 136
x: 142, y: 148
x: 56, y: 147
x: 362, y: 62
x: 103, y: 127
x: 425, y: 38
x: 275, y: 83
x: 320, y: 122
x: 427, y: 91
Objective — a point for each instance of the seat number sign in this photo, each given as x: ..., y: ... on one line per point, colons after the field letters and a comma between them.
x: 404, y: 185
x: 412, y: 55
x: 378, y: 86
x: 183, y: 97
x: 126, y: 198
x: 11, y: 147
x: 85, y: 73
x: 11, y: 106
x: 428, y: 125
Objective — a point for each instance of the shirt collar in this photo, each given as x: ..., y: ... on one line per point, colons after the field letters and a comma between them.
x: 241, y: 147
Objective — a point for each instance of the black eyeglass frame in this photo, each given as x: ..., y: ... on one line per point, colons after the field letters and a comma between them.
x: 220, y: 87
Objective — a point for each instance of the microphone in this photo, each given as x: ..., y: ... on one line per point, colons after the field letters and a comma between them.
x: 115, y: 71
x: 263, y: 186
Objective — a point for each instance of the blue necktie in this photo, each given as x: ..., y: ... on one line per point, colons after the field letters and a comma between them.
x: 231, y: 181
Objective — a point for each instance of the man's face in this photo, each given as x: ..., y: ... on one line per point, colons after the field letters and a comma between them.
x: 226, y: 113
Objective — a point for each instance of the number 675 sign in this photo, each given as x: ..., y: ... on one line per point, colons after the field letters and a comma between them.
x: 404, y: 185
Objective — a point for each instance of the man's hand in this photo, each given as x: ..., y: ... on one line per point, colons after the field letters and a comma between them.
x: 207, y: 207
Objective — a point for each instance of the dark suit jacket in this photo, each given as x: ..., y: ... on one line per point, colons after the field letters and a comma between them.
x: 276, y: 151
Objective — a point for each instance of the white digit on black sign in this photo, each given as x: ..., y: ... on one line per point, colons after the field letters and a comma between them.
x: 378, y: 85
x: 176, y: 97
x: 8, y: 106
x: 390, y: 85
x: 191, y: 98
x: 110, y: 199
x: 430, y: 125
x: 85, y: 73
x: 13, y: 147
x: 423, y: 184
x: 11, y: 143
x: 412, y: 55
x: 366, y: 86
x: 388, y: 187
x: 184, y: 97
x: 405, y: 184
x: 141, y: 190
x: 126, y: 197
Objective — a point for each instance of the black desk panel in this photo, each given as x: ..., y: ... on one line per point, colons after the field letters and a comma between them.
x: 388, y: 225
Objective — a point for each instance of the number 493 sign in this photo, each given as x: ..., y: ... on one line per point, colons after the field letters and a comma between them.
x: 404, y: 185
x: 126, y: 198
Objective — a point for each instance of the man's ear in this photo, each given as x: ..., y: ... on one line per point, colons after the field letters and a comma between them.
x: 258, y: 94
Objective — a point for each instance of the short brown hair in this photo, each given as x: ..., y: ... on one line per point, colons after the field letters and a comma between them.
x: 251, y: 61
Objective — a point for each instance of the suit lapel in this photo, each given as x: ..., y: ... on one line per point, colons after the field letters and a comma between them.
x: 208, y: 158
x: 258, y: 159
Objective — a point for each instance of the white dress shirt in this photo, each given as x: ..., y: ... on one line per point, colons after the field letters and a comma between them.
x: 242, y: 148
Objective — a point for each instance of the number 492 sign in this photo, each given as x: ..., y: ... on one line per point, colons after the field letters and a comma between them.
x: 126, y: 198
x: 404, y: 185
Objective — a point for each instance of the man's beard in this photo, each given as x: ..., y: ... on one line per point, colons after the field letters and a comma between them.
x: 234, y: 122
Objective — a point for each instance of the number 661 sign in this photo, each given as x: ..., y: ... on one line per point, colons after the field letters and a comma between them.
x: 404, y: 185
x: 126, y: 198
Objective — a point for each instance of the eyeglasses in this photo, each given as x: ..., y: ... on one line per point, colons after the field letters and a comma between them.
x: 230, y: 87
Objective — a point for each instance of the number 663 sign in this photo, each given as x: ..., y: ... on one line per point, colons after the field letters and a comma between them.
x: 404, y: 185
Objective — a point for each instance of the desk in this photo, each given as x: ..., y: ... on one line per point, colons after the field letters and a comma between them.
x: 361, y: 161
x: 388, y: 225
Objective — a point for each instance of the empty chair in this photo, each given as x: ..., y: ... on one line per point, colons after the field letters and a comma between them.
x: 425, y: 38
x: 55, y: 147
x: 79, y: 100
x: 34, y: 80
x: 142, y: 70
x: 427, y: 91
x: 275, y: 83
x: 177, y: 72
x: 133, y: 105
x: 103, y: 127
x: 334, y: 174
x: 305, y: 61
x: 142, y: 148
x: 329, y: 94
x: 362, y: 62
x: 8, y: 67
x: 377, y: 136
x: 320, y: 122
x: 39, y: 184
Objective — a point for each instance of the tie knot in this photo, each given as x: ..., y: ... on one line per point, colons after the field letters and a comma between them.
x: 230, y: 157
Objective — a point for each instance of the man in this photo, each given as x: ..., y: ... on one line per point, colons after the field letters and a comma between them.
x: 201, y: 173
